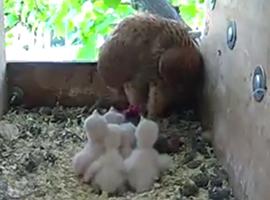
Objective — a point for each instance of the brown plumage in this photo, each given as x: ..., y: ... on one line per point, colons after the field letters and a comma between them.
x: 154, y: 61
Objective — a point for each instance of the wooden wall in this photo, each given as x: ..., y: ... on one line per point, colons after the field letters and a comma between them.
x: 240, y: 125
x: 2, y: 63
x: 68, y: 84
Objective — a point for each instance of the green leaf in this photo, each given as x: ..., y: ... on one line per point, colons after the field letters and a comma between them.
x: 30, y: 4
x: 89, y: 51
x: 9, y: 35
x: 12, y: 19
x: 188, y: 11
x: 124, y: 10
x: 24, y: 14
x: 104, y: 24
x: 175, y: 2
x: 60, y: 30
x: 8, y: 43
x: 75, y: 4
x: 31, y: 19
x: 70, y: 26
x: 193, y: 2
x: 60, y: 19
x: 112, y: 3
x: 86, y: 26
x: 80, y: 21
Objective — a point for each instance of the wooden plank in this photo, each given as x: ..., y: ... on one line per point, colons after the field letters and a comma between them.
x: 240, y: 125
x: 49, y: 83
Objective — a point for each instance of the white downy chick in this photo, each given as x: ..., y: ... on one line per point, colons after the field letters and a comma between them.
x: 164, y: 162
x: 144, y: 164
x: 96, y: 129
x: 114, y: 117
x: 128, y: 140
x: 146, y: 136
x: 108, y: 172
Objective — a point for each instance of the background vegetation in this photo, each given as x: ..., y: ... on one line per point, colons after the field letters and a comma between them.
x: 80, y: 22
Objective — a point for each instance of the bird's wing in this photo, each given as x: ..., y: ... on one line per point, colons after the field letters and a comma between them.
x: 180, y: 64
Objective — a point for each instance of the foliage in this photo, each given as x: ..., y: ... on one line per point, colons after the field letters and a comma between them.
x: 79, y: 22
x: 192, y: 11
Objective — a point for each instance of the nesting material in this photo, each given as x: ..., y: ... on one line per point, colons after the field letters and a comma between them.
x: 37, y: 146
